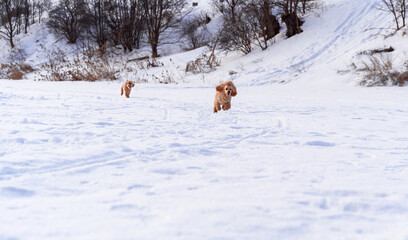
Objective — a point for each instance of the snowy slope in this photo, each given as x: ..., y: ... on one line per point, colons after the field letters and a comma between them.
x: 316, y: 158
x: 331, y: 37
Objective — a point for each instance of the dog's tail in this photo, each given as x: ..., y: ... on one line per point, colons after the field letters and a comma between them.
x: 121, y: 91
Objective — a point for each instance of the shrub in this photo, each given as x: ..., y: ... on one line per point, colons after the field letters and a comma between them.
x: 163, y: 77
x: 202, y: 64
x: 380, y: 70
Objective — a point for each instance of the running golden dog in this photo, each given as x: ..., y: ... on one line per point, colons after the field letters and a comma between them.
x: 224, y: 92
x: 127, y: 88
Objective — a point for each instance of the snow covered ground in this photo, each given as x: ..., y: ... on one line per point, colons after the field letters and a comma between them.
x: 315, y: 158
x: 286, y: 162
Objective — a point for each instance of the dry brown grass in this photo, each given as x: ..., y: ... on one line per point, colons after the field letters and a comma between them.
x: 379, y: 70
x: 15, y: 71
x: 85, y: 67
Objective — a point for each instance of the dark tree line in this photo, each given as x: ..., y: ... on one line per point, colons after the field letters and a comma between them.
x: 127, y: 23
x: 17, y: 15
x: 117, y: 22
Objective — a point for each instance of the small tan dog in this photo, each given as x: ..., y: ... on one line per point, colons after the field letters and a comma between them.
x: 223, y: 95
x: 127, y: 88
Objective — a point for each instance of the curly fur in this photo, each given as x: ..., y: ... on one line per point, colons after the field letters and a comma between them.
x: 127, y: 88
x: 224, y: 92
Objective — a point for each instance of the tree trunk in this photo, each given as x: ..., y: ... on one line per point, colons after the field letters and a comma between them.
x: 304, y: 6
x: 403, y: 12
x: 292, y: 23
x: 396, y: 20
x: 271, y: 24
x: 154, y: 51
x: 11, y: 42
x: 11, y: 33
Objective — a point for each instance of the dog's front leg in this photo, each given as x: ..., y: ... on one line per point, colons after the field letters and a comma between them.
x: 217, y: 107
x: 226, y: 106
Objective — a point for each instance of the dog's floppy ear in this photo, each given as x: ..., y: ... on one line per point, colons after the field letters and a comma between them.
x: 220, y: 87
x: 234, y: 90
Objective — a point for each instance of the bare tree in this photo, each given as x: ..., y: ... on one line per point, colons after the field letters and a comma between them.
x: 67, y: 19
x: 236, y: 33
x: 97, y: 24
x: 307, y: 4
x: 237, y: 36
x: 269, y: 23
x: 125, y: 22
x: 132, y: 24
x: 195, y: 30
x: 160, y: 16
x: 39, y: 7
x: 264, y: 24
x: 27, y: 8
x: 114, y: 20
x: 246, y: 21
x: 229, y: 8
x: 398, y: 8
x: 9, y: 19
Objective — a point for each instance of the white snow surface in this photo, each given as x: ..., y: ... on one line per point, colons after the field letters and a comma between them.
x: 315, y: 158
x: 286, y: 162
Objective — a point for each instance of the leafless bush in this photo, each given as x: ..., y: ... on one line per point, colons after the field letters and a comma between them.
x: 163, y: 77
x: 150, y: 70
x: 379, y: 70
x: 202, y: 64
x: 142, y: 63
x: 149, y: 63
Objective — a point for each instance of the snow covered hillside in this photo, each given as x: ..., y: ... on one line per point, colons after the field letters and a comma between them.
x: 315, y: 158
x: 332, y: 37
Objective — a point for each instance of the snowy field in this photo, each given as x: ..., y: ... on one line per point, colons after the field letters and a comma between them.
x: 78, y: 161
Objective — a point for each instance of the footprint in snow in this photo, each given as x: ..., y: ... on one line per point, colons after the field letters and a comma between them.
x: 320, y: 144
x: 15, y: 192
